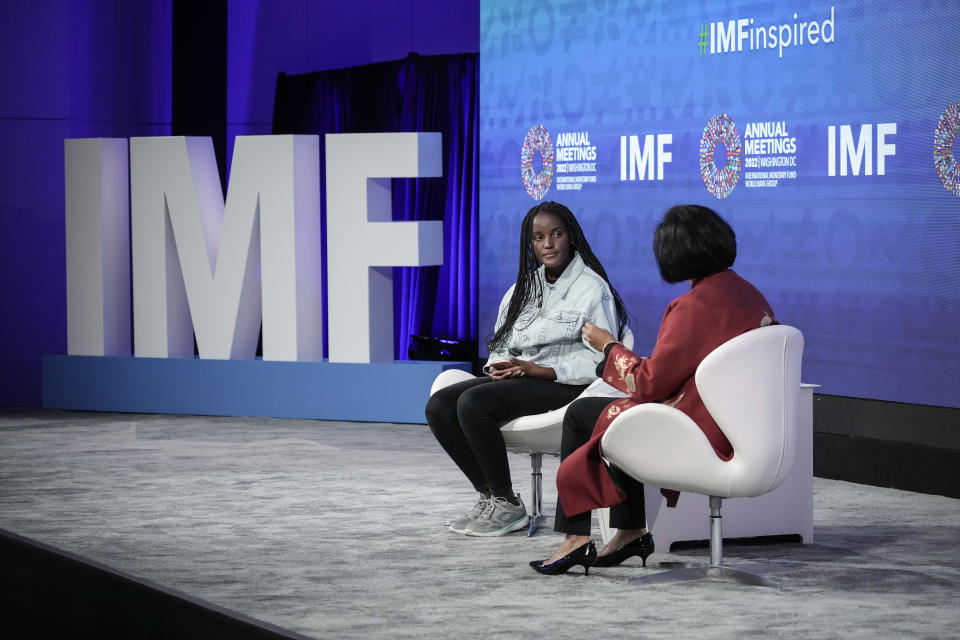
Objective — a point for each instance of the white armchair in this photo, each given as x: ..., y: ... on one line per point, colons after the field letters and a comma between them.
x: 751, y: 387
x: 536, y: 434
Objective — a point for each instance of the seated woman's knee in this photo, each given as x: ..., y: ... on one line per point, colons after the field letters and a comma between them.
x: 472, y: 403
x: 442, y: 407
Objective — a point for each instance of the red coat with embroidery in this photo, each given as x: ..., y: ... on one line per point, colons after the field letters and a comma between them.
x: 716, y: 309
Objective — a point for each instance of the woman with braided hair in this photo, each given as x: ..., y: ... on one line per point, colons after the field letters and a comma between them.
x: 539, y: 361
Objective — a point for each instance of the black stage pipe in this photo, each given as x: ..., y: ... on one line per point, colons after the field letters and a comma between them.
x: 49, y: 593
x: 200, y: 74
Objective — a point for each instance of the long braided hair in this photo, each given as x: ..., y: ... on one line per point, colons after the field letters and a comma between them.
x: 528, y: 287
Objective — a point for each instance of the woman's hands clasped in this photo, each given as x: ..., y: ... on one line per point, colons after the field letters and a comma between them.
x: 597, y: 337
x: 514, y: 368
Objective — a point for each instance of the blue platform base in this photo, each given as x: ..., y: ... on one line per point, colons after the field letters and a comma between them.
x: 376, y: 392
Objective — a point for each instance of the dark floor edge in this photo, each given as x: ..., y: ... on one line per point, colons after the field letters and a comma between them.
x: 48, y: 592
x: 884, y: 463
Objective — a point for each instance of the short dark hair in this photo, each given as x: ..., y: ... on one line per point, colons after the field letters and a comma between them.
x: 693, y: 242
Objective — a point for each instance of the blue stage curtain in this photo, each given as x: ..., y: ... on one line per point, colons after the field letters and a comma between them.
x: 419, y: 93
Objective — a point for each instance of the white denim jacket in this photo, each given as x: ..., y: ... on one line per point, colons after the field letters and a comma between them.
x: 550, y: 336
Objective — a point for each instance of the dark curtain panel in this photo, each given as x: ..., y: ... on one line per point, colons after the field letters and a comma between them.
x: 199, y: 100
x: 420, y: 93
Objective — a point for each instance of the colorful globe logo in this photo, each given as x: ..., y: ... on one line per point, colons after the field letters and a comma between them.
x: 536, y: 141
x: 948, y: 169
x: 720, y: 129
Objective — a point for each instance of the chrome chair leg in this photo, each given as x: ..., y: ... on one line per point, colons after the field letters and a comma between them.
x: 716, y: 532
x: 536, y: 494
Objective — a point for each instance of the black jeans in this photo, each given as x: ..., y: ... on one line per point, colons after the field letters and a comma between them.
x: 466, y: 418
x: 578, y: 424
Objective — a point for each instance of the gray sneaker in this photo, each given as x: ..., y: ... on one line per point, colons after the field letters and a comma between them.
x: 500, y: 518
x: 460, y: 524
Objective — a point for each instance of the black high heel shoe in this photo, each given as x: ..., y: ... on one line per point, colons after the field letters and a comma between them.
x: 584, y: 555
x: 642, y: 546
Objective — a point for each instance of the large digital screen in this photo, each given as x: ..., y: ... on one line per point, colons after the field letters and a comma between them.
x: 824, y: 132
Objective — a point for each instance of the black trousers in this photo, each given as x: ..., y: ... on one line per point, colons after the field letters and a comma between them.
x: 466, y: 418
x: 578, y: 423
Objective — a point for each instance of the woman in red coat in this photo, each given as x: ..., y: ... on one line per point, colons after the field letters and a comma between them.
x: 691, y: 243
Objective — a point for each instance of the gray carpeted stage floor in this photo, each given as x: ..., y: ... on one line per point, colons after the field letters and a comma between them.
x: 335, y: 530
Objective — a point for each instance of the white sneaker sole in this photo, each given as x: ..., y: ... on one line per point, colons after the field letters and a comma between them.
x: 517, y: 525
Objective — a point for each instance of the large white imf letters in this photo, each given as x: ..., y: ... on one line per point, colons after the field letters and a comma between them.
x: 195, y: 257
x: 98, y: 247
x: 198, y: 263
x: 363, y: 244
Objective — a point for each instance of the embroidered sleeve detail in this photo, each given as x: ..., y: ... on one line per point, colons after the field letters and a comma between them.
x: 623, y: 362
x: 675, y: 401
